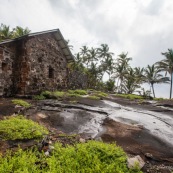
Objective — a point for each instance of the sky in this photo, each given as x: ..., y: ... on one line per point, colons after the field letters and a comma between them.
x: 143, y: 28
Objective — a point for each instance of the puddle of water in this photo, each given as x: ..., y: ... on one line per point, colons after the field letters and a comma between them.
x: 82, y: 122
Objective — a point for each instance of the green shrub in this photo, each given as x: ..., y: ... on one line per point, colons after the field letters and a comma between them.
x: 20, y: 128
x: 158, y: 99
x: 20, y: 102
x: 93, y: 97
x: 91, y: 157
x: 130, y: 96
x: 39, y: 97
x: 59, y: 94
x: 46, y: 94
x: 100, y: 94
x: 73, y: 95
x: 110, y: 85
x: 79, y: 92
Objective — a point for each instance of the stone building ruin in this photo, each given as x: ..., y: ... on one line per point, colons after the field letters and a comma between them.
x: 33, y: 63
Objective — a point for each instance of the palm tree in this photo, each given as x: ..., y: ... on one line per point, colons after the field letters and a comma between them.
x: 84, y: 53
x: 123, y: 59
x: 92, y: 56
x: 19, y: 31
x: 76, y: 65
x: 108, y: 66
x: 121, y: 69
x: 103, y: 51
x: 130, y: 82
x: 152, y: 76
x: 5, y: 32
x: 93, y: 71
x: 139, y: 74
x: 167, y: 66
x: 119, y: 74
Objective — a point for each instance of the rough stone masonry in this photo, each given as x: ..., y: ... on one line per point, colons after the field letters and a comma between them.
x: 33, y: 63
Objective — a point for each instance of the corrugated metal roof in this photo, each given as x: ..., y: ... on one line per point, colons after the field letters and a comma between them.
x: 59, y: 37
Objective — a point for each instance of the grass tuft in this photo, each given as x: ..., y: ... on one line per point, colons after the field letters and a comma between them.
x: 130, y: 96
x: 100, y: 94
x: 19, y: 127
x: 79, y: 92
x: 20, y: 102
x: 94, y: 97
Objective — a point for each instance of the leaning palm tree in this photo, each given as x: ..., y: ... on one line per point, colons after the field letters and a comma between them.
x: 152, y: 76
x: 167, y: 66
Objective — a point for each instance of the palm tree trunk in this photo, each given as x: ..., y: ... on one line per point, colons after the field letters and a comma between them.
x: 152, y: 86
x: 171, y: 86
x: 117, y: 84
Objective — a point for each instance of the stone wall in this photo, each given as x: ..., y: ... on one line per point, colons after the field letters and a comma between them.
x: 6, y: 76
x: 46, y: 65
x: 31, y: 65
x: 77, y: 80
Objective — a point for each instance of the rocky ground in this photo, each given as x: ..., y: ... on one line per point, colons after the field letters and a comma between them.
x: 134, y: 139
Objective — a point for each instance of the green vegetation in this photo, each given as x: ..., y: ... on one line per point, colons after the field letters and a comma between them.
x: 130, y: 96
x: 73, y: 95
x: 21, y: 103
x: 19, y: 127
x: 79, y: 92
x: 7, y: 33
x: 60, y: 94
x: 93, y: 157
x: 158, y: 99
x: 99, y: 94
x: 46, y: 94
x: 94, y: 63
x: 39, y: 97
x: 94, y: 97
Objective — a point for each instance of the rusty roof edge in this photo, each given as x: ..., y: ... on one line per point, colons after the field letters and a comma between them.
x: 67, y: 48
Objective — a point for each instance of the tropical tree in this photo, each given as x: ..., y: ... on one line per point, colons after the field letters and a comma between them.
x: 121, y: 69
x: 103, y: 51
x: 123, y: 59
x: 167, y: 66
x: 139, y: 74
x: 130, y: 82
x: 92, y: 57
x: 5, y: 32
x: 152, y: 76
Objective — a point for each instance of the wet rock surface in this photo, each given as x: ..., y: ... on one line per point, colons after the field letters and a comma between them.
x: 137, y: 128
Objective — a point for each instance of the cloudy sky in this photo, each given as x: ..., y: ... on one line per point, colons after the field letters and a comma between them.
x: 143, y: 28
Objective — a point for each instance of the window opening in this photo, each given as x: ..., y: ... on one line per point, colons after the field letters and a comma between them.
x: 51, y: 72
